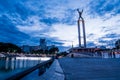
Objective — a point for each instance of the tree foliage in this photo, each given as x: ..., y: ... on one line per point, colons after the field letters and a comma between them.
x: 117, y: 44
x: 9, y: 47
x: 53, y: 50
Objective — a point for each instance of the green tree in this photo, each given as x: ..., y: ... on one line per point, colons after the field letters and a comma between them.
x: 9, y: 47
x: 46, y: 51
x: 117, y: 44
x: 41, y: 51
x: 53, y: 50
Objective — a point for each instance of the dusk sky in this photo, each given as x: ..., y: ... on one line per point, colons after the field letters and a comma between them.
x: 24, y: 22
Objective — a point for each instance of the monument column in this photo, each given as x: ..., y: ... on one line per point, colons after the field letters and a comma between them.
x: 80, y: 19
x: 79, y: 35
x: 84, y: 35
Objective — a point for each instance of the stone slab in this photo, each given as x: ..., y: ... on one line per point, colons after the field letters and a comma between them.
x: 53, y: 73
x: 90, y: 68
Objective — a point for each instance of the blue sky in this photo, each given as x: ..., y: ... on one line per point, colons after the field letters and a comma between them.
x: 26, y: 21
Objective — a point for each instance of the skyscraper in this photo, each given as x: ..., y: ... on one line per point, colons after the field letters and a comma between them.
x: 43, y: 43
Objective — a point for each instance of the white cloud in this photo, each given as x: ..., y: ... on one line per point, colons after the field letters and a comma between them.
x: 64, y: 32
x: 58, y: 9
x: 35, y: 25
x: 95, y: 26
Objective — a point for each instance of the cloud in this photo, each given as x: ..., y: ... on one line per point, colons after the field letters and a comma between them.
x: 67, y: 33
x: 9, y: 33
x: 49, y: 21
x: 102, y: 7
x: 112, y: 35
x: 91, y: 44
x: 26, y: 21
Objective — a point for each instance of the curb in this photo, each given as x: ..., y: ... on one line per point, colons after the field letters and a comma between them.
x: 55, y: 72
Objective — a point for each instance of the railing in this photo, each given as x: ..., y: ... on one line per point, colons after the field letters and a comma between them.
x: 42, y: 67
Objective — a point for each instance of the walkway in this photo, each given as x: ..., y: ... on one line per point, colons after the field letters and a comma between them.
x: 53, y: 73
x: 90, y: 68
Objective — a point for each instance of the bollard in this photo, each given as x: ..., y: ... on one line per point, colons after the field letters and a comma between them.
x: 72, y: 55
x: 42, y: 70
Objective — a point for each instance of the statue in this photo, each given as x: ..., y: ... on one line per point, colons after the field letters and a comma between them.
x: 80, y: 13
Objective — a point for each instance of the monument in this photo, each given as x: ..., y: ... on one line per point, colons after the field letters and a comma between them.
x: 82, y: 47
x: 81, y: 20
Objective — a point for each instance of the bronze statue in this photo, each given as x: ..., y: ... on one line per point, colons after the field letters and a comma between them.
x: 80, y: 13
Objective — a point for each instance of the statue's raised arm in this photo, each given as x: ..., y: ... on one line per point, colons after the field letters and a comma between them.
x: 80, y: 13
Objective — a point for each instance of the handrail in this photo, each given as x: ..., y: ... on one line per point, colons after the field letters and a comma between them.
x: 20, y: 75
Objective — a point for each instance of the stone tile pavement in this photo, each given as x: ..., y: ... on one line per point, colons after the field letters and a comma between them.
x: 53, y: 73
x: 90, y: 68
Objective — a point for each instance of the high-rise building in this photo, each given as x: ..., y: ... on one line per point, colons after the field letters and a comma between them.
x: 43, y: 44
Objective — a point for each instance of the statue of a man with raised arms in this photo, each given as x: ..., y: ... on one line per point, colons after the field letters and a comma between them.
x: 80, y: 13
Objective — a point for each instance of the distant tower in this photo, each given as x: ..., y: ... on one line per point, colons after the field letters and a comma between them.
x: 80, y: 19
x: 43, y: 44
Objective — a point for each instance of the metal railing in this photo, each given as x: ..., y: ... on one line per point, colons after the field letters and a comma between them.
x: 42, y: 67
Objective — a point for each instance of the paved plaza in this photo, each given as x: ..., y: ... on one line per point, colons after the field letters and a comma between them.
x: 90, y: 68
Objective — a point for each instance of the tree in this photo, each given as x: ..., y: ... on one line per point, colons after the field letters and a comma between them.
x: 117, y: 44
x: 40, y: 51
x: 53, y: 50
x: 46, y: 51
x: 9, y: 47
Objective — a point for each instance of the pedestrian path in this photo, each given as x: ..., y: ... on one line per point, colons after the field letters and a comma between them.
x: 90, y: 68
x: 53, y: 73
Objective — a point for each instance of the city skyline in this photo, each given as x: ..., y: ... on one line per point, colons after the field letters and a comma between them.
x: 24, y: 22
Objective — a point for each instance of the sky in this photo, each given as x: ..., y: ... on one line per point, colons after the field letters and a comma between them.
x: 24, y: 22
